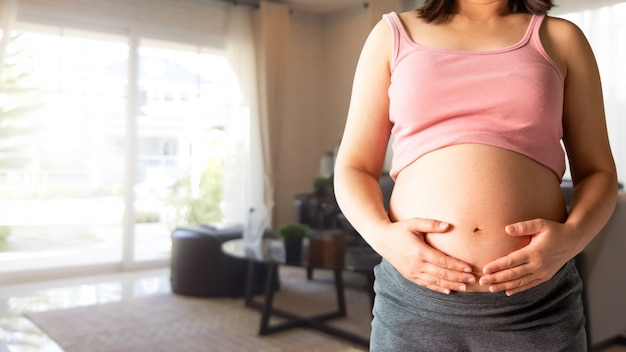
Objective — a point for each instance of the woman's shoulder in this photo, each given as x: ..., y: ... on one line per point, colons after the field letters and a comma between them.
x: 564, y: 41
x: 562, y: 31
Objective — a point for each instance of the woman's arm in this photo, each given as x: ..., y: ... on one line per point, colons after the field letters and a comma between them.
x: 358, y: 168
x: 591, y: 165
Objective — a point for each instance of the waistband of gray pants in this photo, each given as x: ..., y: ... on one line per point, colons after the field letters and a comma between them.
x: 408, y: 314
x: 387, y: 273
x: 555, y: 299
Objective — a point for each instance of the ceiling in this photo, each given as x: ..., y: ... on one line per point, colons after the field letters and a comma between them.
x: 328, y: 6
x: 322, y: 7
x: 319, y: 7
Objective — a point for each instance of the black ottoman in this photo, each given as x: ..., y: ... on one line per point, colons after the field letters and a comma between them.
x: 199, y: 268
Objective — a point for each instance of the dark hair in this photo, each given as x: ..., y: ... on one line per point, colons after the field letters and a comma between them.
x: 439, y: 10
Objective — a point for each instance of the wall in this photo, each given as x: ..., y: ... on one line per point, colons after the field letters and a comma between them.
x: 301, y: 124
x: 606, y: 286
x: 323, y: 52
x: 344, y: 37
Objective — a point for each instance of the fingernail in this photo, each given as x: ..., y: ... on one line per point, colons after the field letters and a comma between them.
x: 443, y: 225
x: 492, y: 289
x: 471, y: 280
x: 446, y: 291
x: 467, y: 270
x: 463, y: 288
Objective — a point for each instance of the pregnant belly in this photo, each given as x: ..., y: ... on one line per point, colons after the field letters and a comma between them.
x: 479, y: 190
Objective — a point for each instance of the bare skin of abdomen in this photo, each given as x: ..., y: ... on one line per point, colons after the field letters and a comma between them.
x: 478, y: 190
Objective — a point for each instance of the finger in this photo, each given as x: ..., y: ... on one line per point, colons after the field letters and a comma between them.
x: 449, y: 275
x: 525, y: 228
x: 531, y: 284
x: 512, y: 260
x: 420, y: 225
x: 505, y: 279
x: 518, y: 285
x: 439, y: 284
x: 441, y: 260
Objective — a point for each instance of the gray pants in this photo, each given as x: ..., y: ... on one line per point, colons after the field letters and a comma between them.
x: 409, y: 317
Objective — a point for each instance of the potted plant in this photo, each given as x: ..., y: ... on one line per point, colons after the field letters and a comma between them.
x: 322, y: 186
x: 292, y: 235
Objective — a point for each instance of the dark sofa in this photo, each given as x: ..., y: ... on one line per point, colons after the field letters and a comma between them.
x: 321, y: 212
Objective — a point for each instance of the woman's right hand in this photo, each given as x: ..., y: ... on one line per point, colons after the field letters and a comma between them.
x: 405, y: 248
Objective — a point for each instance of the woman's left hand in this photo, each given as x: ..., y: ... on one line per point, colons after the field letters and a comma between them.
x: 549, y: 249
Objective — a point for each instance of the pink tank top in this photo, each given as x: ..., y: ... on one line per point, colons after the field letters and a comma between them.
x: 510, y: 98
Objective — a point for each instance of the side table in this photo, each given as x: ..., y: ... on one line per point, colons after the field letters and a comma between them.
x: 271, y: 253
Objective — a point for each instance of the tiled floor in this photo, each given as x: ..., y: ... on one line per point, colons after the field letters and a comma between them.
x: 20, y: 335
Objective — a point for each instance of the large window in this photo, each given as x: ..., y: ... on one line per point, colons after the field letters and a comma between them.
x: 84, y: 117
x: 181, y: 141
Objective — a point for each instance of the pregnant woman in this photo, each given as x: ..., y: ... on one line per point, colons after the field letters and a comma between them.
x: 480, y: 97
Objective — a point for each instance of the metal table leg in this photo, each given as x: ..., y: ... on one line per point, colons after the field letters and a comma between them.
x: 317, y: 322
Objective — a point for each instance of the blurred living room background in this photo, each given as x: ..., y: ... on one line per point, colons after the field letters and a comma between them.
x: 122, y: 120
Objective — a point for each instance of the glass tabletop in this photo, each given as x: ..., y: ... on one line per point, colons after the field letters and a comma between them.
x: 269, y: 251
x: 361, y: 259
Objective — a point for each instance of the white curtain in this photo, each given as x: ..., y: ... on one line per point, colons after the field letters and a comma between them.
x: 248, y: 192
x: 8, y: 9
x: 605, y: 29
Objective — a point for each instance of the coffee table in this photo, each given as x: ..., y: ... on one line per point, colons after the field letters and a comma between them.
x: 271, y: 253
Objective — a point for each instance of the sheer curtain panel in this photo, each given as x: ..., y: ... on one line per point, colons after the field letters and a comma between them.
x: 247, y: 188
x: 8, y: 10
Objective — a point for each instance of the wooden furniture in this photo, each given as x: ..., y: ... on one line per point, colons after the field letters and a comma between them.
x: 271, y: 253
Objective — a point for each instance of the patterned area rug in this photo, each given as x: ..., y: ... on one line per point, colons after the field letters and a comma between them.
x: 178, y: 323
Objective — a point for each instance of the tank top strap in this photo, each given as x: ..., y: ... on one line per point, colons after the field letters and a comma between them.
x: 398, y: 32
x: 535, y: 26
x: 536, y: 43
